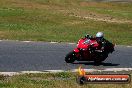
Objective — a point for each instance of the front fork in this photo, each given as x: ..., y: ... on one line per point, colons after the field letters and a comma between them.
x: 83, y: 55
x: 77, y: 53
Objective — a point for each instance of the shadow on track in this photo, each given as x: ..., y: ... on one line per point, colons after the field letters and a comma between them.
x: 92, y: 63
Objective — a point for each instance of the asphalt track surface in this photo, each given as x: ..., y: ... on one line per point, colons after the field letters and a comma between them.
x: 40, y: 56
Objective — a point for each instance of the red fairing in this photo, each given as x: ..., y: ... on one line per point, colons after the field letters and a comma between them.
x: 85, y: 43
x: 81, y: 44
x: 76, y: 50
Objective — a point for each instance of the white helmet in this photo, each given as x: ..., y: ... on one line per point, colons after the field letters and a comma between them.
x: 100, y: 35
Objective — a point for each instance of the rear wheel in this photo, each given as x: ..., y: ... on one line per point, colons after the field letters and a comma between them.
x: 70, y: 58
x: 104, y: 56
x: 100, y: 58
x: 97, y: 61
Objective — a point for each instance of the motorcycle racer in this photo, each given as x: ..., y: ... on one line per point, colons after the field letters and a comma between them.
x: 103, y: 42
x: 91, y: 49
x: 100, y: 40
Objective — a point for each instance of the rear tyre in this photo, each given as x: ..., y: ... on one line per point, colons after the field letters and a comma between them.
x: 100, y: 57
x: 97, y: 62
x: 97, y: 59
x: 70, y: 58
x: 104, y: 56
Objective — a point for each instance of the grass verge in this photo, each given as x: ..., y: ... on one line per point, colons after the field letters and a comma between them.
x: 65, y: 20
x: 51, y: 80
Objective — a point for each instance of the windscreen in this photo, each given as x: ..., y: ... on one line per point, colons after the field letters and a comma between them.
x: 87, y: 41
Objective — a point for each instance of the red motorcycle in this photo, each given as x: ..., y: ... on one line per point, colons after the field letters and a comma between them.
x: 88, y: 50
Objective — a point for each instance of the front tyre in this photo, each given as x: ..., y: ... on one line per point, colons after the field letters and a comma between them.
x: 70, y: 58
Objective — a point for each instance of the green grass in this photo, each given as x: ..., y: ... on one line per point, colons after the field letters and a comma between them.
x: 54, y: 20
x: 113, y: 13
x: 117, y: 10
x: 51, y: 80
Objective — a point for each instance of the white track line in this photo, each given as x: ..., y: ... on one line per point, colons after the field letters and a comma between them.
x: 54, y: 71
x: 24, y: 72
x: 129, y: 46
x: 71, y: 43
x: 9, y: 73
x: 26, y: 41
x: 53, y: 42
x: 72, y: 70
x: 105, y: 69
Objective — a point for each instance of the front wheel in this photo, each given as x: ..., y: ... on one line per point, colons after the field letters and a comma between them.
x: 70, y: 58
